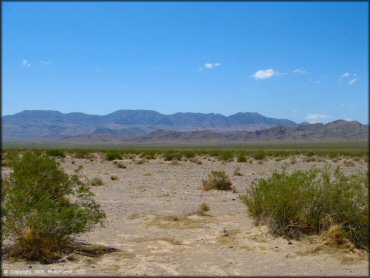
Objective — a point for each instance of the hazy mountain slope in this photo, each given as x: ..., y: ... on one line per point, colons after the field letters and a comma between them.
x: 337, y: 130
x: 40, y: 124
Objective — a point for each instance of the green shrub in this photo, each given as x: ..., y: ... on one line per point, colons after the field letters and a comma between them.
x: 56, y: 153
x: 44, y: 208
x: 259, y: 155
x: 9, y: 156
x: 242, y: 158
x: 82, y: 153
x: 217, y: 180
x: 170, y: 155
x: 226, y: 155
x: 311, y: 202
x: 112, y: 155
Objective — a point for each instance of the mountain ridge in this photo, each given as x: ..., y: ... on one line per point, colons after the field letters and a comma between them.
x: 50, y: 124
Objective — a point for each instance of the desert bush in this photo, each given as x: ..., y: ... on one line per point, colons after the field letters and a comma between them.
x: 348, y: 163
x: 170, y: 155
x: 204, y: 207
x: 195, y: 160
x: 113, y: 177
x: 149, y: 154
x: 96, y: 181
x: 226, y: 155
x: 217, y: 180
x: 242, y: 158
x: 311, y: 202
x: 140, y: 161
x: 9, y: 156
x: 79, y: 169
x: 259, y: 155
x: 56, y: 153
x: 310, y: 159
x: 112, y: 155
x: 44, y: 208
x: 293, y: 160
x: 82, y: 153
x: 237, y: 172
x: 174, y: 162
x: 188, y: 154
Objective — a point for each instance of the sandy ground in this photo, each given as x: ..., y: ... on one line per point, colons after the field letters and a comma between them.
x: 151, y: 220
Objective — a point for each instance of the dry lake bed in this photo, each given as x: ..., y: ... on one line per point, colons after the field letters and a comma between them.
x: 152, y: 220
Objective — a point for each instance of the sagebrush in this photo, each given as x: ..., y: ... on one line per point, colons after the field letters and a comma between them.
x: 44, y: 208
x: 311, y: 202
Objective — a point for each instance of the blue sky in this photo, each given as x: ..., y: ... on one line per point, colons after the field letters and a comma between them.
x: 304, y: 61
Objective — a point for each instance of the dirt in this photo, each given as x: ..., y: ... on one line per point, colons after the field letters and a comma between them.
x: 153, y: 219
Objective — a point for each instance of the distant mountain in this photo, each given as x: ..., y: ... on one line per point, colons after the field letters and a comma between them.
x: 336, y: 131
x: 51, y: 125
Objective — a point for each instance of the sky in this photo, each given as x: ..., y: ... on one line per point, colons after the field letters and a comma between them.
x: 303, y: 61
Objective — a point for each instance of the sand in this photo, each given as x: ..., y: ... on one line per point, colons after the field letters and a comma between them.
x: 152, y: 220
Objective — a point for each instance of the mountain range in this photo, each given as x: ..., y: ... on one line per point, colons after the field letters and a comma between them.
x: 148, y: 126
x: 40, y: 124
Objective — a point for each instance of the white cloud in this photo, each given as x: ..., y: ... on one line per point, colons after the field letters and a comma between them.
x: 300, y: 71
x: 209, y: 66
x: 25, y: 63
x: 352, y: 81
x: 264, y: 74
x: 346, y: 74
x: 45, y: 62
x: 315, y: 118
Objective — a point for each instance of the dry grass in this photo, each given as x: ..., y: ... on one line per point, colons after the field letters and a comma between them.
x: 204, y: 207
x: 121, y: 165
x: 96, y: 181
x: 124, y: 255
x: 334, y: 237
x: 228, y: 237
x: 174, y: 162
x: 190, y: 220
x: 79, y: 169
x: 237, y: 172
x: 333, y: 241
x: 348, y: 163
x: 217, y: 180
x: 166, y: 239
x: 195, y: 160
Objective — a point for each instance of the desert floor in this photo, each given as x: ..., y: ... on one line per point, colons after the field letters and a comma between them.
x: 152, y: 220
